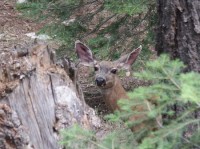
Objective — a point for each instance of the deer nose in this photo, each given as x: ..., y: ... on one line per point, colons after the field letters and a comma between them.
x: 100, y: 81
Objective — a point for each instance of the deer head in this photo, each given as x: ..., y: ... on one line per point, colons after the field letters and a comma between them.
x: 105, y: 71
x: 106, y: 79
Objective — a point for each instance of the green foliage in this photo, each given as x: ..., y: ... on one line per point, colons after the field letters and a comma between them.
x: 129, y: 6
x: 76, y: 137
x: 63, y: 9
x: 169, y: 87
x: 190, y: 91
x: 64, y: 33
x: 33, y: 10
x: 100, y: 46
x: 119, y: 139
x: 111, y: 38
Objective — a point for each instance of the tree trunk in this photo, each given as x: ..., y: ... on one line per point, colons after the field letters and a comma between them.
x: 37, y: 100
x: 178, y: 31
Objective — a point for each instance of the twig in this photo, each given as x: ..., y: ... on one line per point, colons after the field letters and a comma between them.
x: 157, y: 120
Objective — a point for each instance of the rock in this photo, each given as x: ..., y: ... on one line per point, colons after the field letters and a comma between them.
x: 22, y: 1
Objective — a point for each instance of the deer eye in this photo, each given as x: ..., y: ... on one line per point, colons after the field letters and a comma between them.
x: 114, y: 71
x: 96, y: 68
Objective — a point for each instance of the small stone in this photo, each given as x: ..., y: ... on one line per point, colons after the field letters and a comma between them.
x: 21, y: 1
x: 128, y: 73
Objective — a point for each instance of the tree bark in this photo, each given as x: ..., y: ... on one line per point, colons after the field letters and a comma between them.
x: 178, y: 31
x: 37, y: 100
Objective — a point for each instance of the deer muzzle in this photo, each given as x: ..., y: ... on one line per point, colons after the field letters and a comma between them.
x: 100, y: 81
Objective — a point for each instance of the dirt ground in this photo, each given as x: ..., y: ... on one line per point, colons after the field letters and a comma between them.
x: 13, y: 26
x: 13, y: 30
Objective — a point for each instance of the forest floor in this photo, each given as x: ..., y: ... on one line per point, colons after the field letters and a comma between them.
x: 13, y: 34
x: 14, y: 27
x: 13, y: 30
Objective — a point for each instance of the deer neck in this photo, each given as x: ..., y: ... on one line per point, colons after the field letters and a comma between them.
x: 113, y: 94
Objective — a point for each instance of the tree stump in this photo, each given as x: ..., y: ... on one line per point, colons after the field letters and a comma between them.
x: 38, y: 99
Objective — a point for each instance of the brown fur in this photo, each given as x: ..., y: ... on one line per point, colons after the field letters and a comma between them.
x: 113, y: 91
x: 112, y: 88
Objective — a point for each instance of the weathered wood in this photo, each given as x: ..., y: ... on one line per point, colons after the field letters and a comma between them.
x: 178, y: 31
x: 37, y: 100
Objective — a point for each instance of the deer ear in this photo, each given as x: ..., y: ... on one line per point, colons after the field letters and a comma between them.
x: 127, y: 60
x: 84, y: 53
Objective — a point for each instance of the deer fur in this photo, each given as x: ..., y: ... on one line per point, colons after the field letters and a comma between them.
x: 112, y: 88
x: 107, y: 80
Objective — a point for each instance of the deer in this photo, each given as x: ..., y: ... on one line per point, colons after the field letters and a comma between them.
x: 107, y: 80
